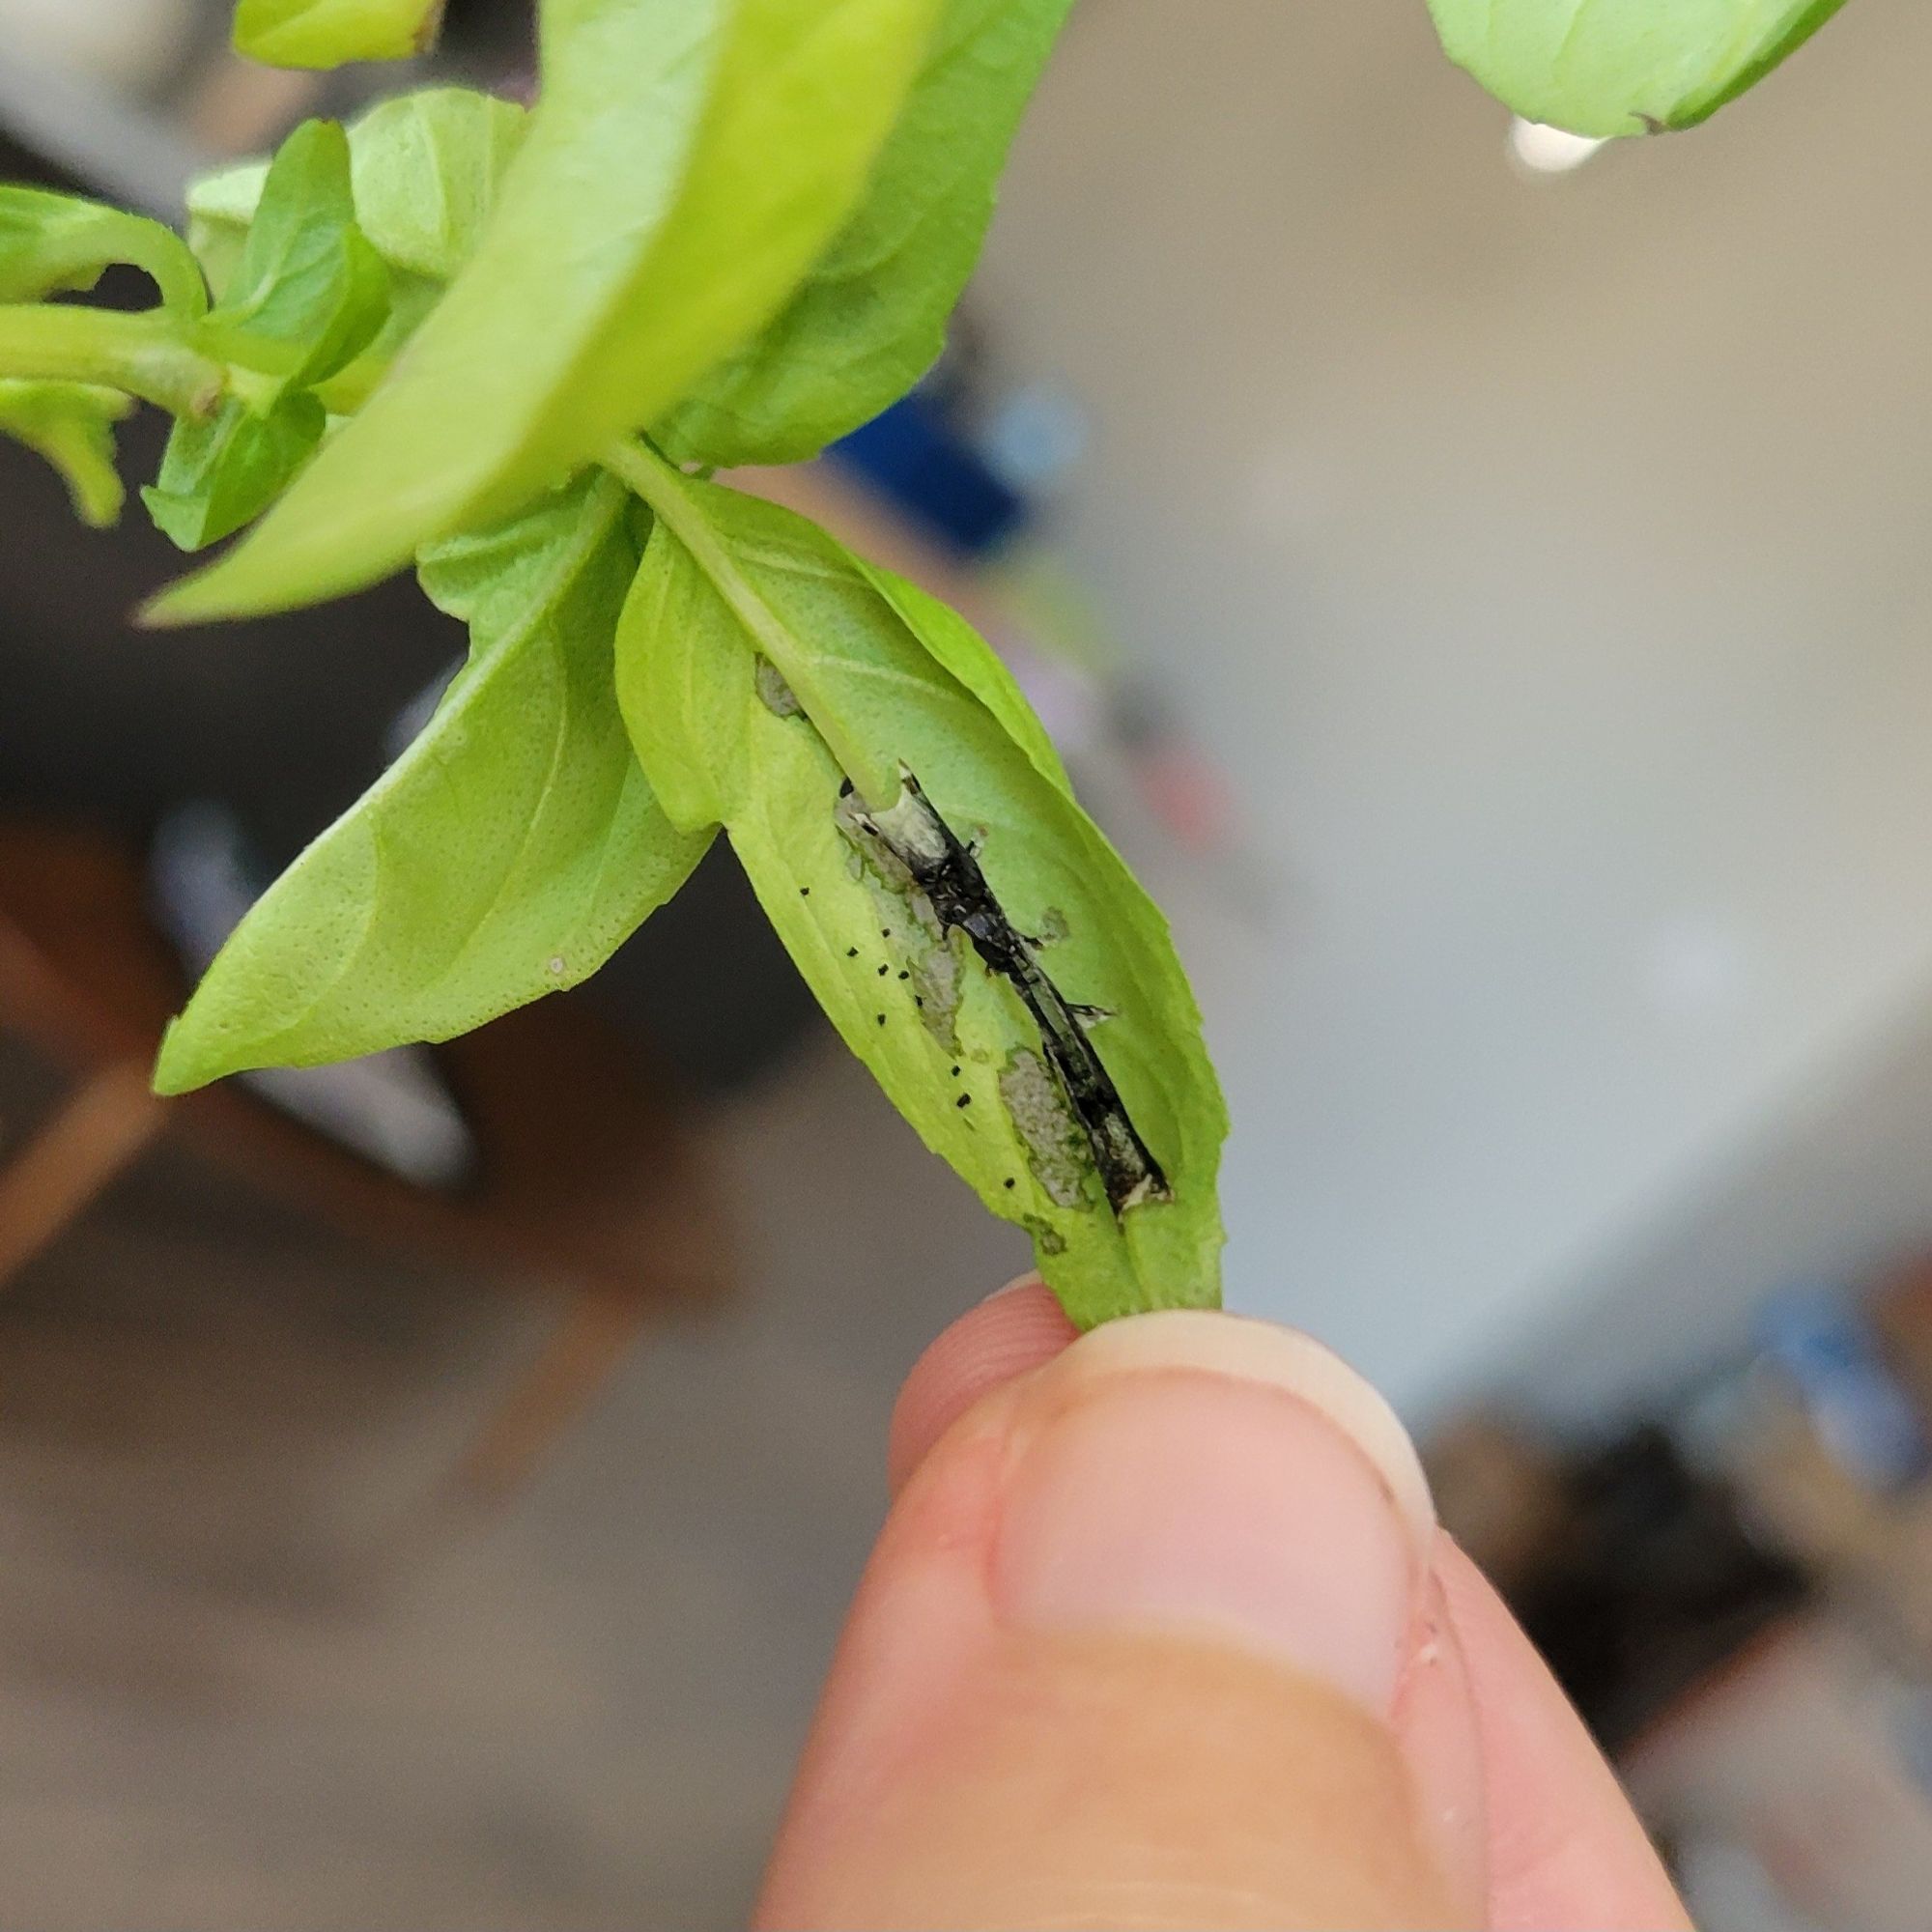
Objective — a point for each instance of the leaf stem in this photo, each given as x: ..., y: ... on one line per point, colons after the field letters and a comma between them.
x: 669, y: 495
x: 144, y: 354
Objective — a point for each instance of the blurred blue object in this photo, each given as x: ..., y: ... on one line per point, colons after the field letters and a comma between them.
x: 916, y: 459
x: 1822, y: 1340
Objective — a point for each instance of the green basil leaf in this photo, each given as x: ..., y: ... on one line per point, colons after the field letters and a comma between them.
x: 215, y: 236
x: 424, y: 168
x: 427, y: 169
x: 221, y: 472
x: 328, y: 33
x: 1622, y: 66
x: 686, y: 162
x: 953, y: 1042
x: 308, y: 294
x: 870, y: 318
x: 963, y: 652
x: 53, y: 243
x: 509, y: 852
x: 72, y: 424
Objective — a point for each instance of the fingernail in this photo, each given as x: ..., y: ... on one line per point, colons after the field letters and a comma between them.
x: 1201, y: 1474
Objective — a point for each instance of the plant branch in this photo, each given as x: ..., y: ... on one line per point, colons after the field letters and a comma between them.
x: 143, y: 354
x: 668, y: 493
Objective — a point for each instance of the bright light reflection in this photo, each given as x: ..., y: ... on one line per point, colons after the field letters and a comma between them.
x: 1548, y: 151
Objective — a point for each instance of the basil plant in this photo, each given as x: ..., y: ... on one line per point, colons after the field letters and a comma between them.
x: 509, y: 349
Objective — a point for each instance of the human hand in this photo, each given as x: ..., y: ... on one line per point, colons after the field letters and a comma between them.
x: 1161, y: 1633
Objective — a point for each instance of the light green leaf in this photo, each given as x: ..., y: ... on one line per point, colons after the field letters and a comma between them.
x: 425, y: 168
x: 505, y: 855
x: 53, y: 243
x: 962, y: 651
x: 72, y: 424
x: 307, y: 292
x: 329, y: 33
x: 216, y: 241
x: 870, y: 318
x: 687, y: 161
x: 952, y: 1044
x: 1622, y: 66
x: 221, y: 472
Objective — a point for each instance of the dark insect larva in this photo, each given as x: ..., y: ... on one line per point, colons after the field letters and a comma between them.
x: 948, y: 874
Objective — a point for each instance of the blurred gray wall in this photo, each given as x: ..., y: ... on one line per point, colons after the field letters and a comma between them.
x: 1547, y: 562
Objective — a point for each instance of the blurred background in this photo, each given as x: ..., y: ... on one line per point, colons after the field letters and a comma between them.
x: 1482, y: 584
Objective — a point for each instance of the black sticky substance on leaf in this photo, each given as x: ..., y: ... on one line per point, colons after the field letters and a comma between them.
x: 930, y: 964
x: 949, y: 881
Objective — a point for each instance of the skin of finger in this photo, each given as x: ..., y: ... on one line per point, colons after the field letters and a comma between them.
x: 1565, y: 1847
x: 1020, y: 1329
x: 1435, y: 1719
x: 965, y: 1772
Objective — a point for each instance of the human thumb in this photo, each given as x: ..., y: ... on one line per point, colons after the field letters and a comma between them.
x: 1150, y: 1640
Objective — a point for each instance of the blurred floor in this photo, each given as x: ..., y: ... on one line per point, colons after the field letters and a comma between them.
x: 252, y: 1677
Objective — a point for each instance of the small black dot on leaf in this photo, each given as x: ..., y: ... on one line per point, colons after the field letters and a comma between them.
x: 880, y: 1017
x: 1011, y: 1181
x: 964, y: 1100
x: 804, y: 892
x: 851, y: 953
x: 905, y: 976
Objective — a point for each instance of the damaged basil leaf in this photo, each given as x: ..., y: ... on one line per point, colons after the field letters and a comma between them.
x: 870, y: 318
x: 72, y: 425
x: 307, y: 292
x: 1622, y: 66
x: 505, y: 855
x: 59, y: 244
x: 645, y: 228
x: 331, y: 32
x: 925, y: 963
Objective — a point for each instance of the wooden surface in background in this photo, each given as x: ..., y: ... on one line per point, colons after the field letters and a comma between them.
x: 588, y: 1177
